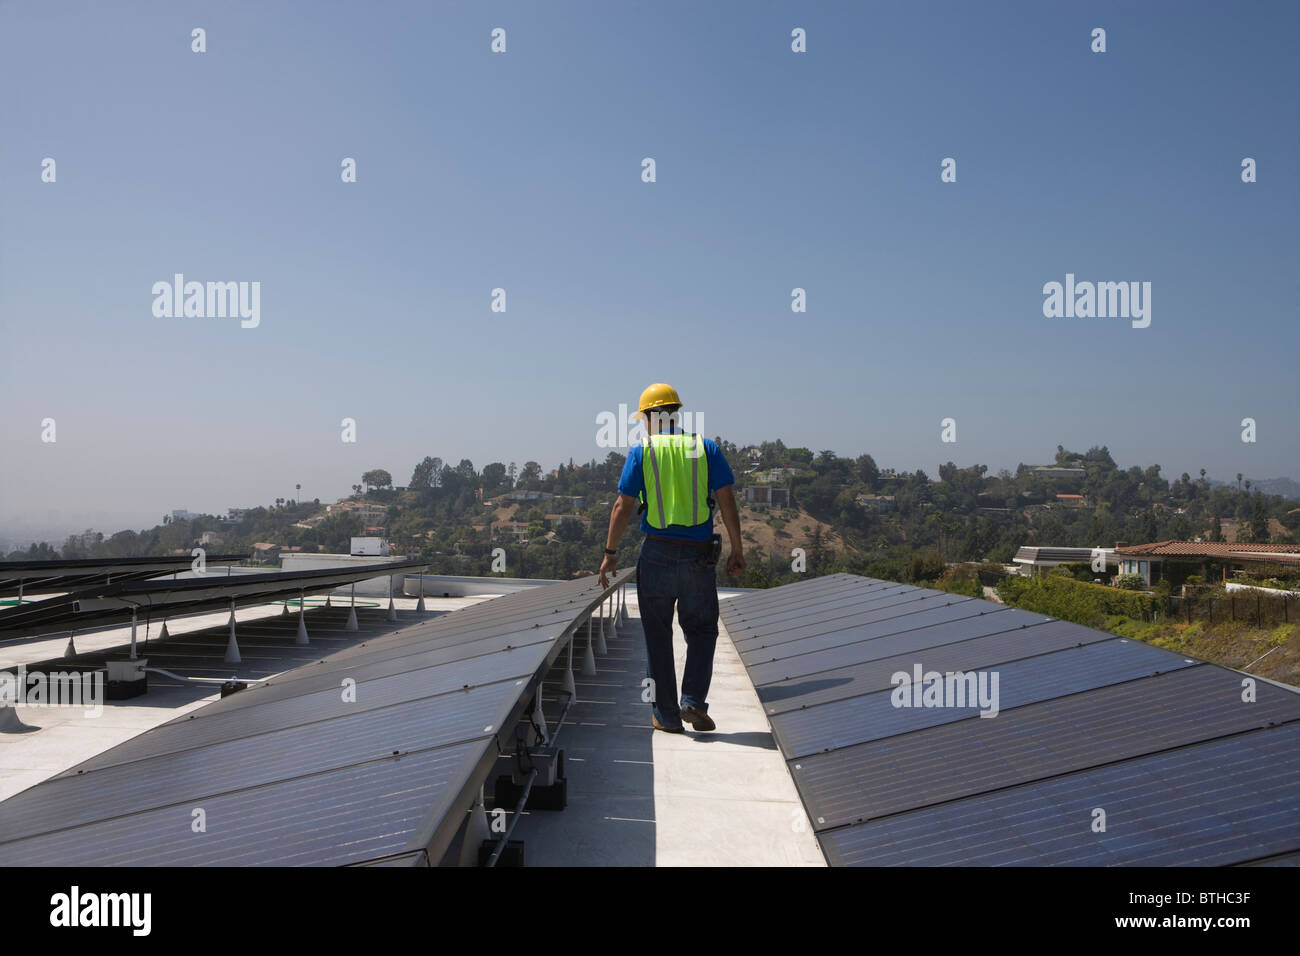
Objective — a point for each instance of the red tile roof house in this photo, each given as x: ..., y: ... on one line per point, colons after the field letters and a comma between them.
x: 265, y: 551
x: 518, y: 528
x: 1148, y: 559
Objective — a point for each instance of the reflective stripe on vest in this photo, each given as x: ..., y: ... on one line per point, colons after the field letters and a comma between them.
x: 676, y: 487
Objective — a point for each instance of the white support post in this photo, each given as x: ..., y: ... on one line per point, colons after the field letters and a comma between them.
x: 420, y: 606
x: 539, y: 718
x: 71, y: 649
x: 232, y: 646
x: 163, y: 635
x: 476, y: 831
x: 601, y: 648
x: 9, y: 722
x: 302, y: 637
x: 133, y: 616
x: 392, y: 608
x: 352, y: 614
x: 570, y: 685
x: 588, y: 657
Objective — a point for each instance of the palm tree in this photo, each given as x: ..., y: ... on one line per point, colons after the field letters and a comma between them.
x: 298, y: 494
x: 1239, y: 481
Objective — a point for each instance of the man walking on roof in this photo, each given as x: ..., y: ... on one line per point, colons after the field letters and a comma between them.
x: 670, y: 480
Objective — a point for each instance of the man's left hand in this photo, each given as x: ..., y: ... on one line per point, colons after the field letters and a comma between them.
x: 735, y: 564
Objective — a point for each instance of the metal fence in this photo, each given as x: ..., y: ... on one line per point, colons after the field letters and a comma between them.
x: 1261, y: 610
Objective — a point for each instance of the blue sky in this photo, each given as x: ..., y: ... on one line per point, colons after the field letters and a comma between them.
x: 522, y: 170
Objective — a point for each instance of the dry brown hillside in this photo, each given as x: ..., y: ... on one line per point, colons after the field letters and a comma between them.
x: 754, y: 523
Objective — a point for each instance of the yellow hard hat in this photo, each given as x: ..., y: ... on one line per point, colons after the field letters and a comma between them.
x: 657, y: 395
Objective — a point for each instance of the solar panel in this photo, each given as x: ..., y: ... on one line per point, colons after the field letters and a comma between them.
x: 348, y: 815
x: 115, y: 603
x: 1051, y: 737
x: 72, y: 574
x: 1227, y: 801
x: 854, y: 645
x: 967, y: 643
x: 826, y: 609
x: 289, y: 773
x: 924, y: 784
x: 874, y: 715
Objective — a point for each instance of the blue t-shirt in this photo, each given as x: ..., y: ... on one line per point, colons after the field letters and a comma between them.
x: 632, y: 483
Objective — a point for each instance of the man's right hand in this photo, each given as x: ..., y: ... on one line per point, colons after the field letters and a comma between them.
x: 735, y: 564
x: 607, y: 567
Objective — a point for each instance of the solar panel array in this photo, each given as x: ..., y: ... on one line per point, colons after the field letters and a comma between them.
x: 72, y: 574
x: 113, y: 603
x: 1100, y: 750
x: 293, y: 772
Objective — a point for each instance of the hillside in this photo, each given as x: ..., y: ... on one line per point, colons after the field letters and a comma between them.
x: 848, y: 514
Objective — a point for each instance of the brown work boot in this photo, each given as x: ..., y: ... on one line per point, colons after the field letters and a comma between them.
x: 669, y: 730
x: 698, y: 719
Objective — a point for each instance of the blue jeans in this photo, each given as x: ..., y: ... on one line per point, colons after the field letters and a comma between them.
x: 668, y: 574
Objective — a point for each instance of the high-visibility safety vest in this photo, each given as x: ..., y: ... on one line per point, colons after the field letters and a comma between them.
x: 676, y: 470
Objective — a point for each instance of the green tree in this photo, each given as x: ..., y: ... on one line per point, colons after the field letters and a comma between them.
x: 494, y: 476
x: 1259, y: 520
x: 867, y: 471
x: 377, y: 478
x: 427, y: 473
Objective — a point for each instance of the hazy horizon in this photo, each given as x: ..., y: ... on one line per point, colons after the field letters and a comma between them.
x: 104, y: 521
